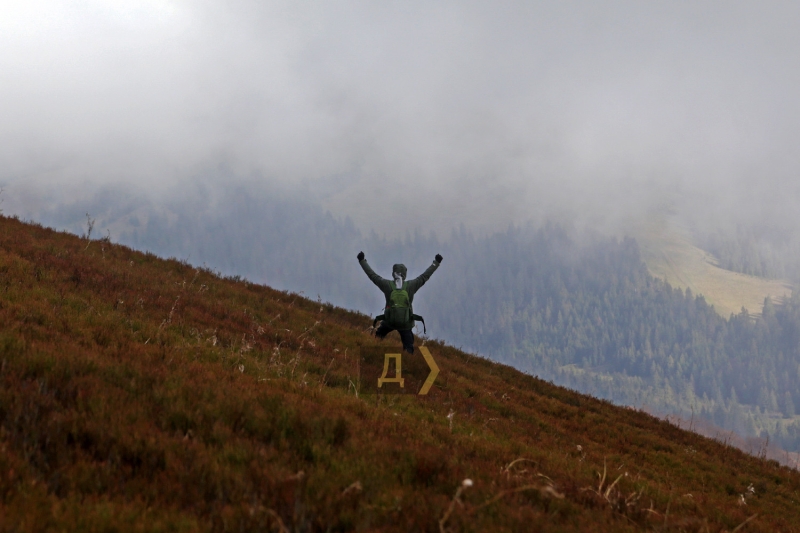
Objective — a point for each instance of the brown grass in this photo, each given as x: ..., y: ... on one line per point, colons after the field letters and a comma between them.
x: 141, y: 394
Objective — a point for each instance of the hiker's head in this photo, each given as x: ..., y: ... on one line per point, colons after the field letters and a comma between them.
x: 399, y: 275
x: 399, y: 270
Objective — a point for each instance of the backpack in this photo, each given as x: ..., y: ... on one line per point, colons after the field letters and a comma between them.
x: 399, y: 313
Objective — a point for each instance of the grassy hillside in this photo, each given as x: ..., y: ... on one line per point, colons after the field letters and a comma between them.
x: 671, y: 256
x: 139, y: 394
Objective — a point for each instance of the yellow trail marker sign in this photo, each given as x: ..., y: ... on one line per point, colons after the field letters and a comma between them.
x: 380, y: 372
x: 434, y: 371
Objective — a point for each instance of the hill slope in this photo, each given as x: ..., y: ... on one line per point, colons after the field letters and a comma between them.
x: 670, y: 255
x: 144, y: 394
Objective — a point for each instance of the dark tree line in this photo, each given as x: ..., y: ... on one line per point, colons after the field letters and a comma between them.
x: 766, y: 252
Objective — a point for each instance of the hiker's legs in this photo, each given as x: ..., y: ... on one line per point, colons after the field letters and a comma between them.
x: 383, y: 330
x: 407, y: 336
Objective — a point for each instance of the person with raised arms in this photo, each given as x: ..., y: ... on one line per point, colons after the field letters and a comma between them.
x: 399, y: 313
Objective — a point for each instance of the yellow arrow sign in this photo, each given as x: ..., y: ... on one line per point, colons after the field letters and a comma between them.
x: 434, y: 371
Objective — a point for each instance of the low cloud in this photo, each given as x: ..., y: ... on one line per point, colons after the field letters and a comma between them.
x: 404, y: 115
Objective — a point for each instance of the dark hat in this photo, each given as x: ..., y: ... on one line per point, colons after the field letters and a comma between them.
x: 400, y: 269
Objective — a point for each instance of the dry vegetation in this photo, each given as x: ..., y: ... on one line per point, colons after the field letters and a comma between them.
x: 140, y: 394
x: 671, y: 256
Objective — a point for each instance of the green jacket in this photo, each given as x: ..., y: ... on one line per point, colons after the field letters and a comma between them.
x: 387, y: 286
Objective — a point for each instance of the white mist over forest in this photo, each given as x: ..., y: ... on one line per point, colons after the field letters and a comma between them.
x: 411, y: 115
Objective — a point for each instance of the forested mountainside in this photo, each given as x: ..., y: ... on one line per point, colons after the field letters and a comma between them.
x: 142, y: 394
x: 591, y: 317
x: 768, y: 251
x: 577, y: 308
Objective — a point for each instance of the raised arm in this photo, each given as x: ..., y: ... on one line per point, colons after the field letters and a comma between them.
x: 418, y: 282
x: 381, y: 283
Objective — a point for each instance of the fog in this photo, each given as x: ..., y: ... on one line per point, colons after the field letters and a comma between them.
x: 406, y: 115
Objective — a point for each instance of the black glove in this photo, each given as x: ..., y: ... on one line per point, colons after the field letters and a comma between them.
x: 438, y: 258
x: 360, y: 256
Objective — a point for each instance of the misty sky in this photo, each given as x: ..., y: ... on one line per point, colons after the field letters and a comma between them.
x: 412, y: 114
